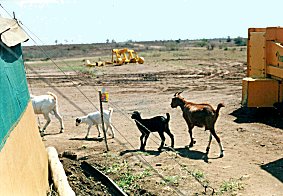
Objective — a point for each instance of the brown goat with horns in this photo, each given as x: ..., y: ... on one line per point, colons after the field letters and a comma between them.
x: 201, y: 115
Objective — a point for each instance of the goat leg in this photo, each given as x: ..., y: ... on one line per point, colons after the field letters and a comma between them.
x: 145, y: 136
x: 145, y: 139
x: 171, y: 137
x: 98, y: 131
x: 161, y: 134
x: 209, y: 142
x: 48, y: 120
x: 112, y: 130
x: 57, y: 115
x: 142, y: 143
x: 191, y: 136
x: 219, y: 142
x: 88, y: 129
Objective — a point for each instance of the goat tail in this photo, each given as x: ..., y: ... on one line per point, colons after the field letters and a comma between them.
x: 53, y: 95
x: 56, y: 102
x: 220, y: 105
x: 168, y: 117
x: 110, y: 111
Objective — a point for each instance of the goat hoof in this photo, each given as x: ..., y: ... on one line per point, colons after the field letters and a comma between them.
x: 62, y: 131
x: 207, y: 150
x: 221, y: 155
x: 187, y: 147
x: 41, y: 133
x: 192, y: 143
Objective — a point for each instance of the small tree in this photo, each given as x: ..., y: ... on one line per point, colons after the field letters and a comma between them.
x: 239, y: 41
x: 228, y: 39
x: 178, y: 41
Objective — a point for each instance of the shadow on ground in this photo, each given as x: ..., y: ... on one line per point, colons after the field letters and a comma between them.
x: 275, y: 168
x: 45, y: 134
x: 183, y: 152
x: 194, y: 154
x: 137, y: 151
x: 268, y: 116
x: 99, y: 139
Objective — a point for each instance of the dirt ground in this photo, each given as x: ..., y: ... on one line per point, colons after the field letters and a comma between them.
x: 252, y: 140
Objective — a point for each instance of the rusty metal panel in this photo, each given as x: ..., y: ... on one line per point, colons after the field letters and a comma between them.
x: 250, y: 30
x: 274, y: 34
x: 274, y: 53
x: 275, y: 71
x: 256, y: 58
x: 259, y: 92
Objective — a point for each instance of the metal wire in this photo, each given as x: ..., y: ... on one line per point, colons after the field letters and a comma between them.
x: 205, y: 186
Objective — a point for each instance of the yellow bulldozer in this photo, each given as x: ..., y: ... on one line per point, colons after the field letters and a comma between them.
x: 119, y: 57
x: 125, y: 55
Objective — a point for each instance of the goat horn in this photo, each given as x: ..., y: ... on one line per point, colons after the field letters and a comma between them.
x: 180, y: 92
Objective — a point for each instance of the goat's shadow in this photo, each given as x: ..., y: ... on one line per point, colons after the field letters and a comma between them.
x: 46, y: 134
x: 138, y: 151
x: 183, y: 152
x: 267, y: 116
x: 186, y: 152
x: 99, y: 139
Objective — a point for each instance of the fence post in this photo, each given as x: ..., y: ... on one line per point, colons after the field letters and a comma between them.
x: 102, y: 122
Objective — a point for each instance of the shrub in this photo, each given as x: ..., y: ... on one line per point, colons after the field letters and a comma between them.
x: 239, y: 41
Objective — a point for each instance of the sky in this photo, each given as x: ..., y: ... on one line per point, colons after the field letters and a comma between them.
x: 94, y: 21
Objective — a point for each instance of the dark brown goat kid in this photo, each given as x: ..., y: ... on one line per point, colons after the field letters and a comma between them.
x: 158, y: 124
x: 200, y: 115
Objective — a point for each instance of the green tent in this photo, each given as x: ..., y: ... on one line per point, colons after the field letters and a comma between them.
x: 14, y: 94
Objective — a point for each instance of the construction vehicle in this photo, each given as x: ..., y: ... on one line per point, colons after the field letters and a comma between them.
x: 125, y: 55
x: 134, y: 58
x: 263, y: 85
x: 121, y: 57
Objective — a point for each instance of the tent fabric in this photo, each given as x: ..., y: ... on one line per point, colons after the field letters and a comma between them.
x: 11, y: 33
x: 5, y: 24
x: 14, y: 94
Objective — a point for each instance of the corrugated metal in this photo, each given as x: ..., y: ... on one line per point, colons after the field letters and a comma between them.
x: 11, y: 33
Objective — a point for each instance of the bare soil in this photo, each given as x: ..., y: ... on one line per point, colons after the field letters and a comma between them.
x: 252, y: 139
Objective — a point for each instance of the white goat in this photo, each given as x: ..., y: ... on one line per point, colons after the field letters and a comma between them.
x: 95, y: 119
x: 45, y: 104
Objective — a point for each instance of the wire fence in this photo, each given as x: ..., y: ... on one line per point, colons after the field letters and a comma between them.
x: 118, y: 109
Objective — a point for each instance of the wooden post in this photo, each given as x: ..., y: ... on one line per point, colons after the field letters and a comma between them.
x: 102, y: 122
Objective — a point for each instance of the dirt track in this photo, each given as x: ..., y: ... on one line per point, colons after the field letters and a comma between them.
x: 253, y: 142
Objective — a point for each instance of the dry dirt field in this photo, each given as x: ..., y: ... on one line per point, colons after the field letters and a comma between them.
x: 252, y: 140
